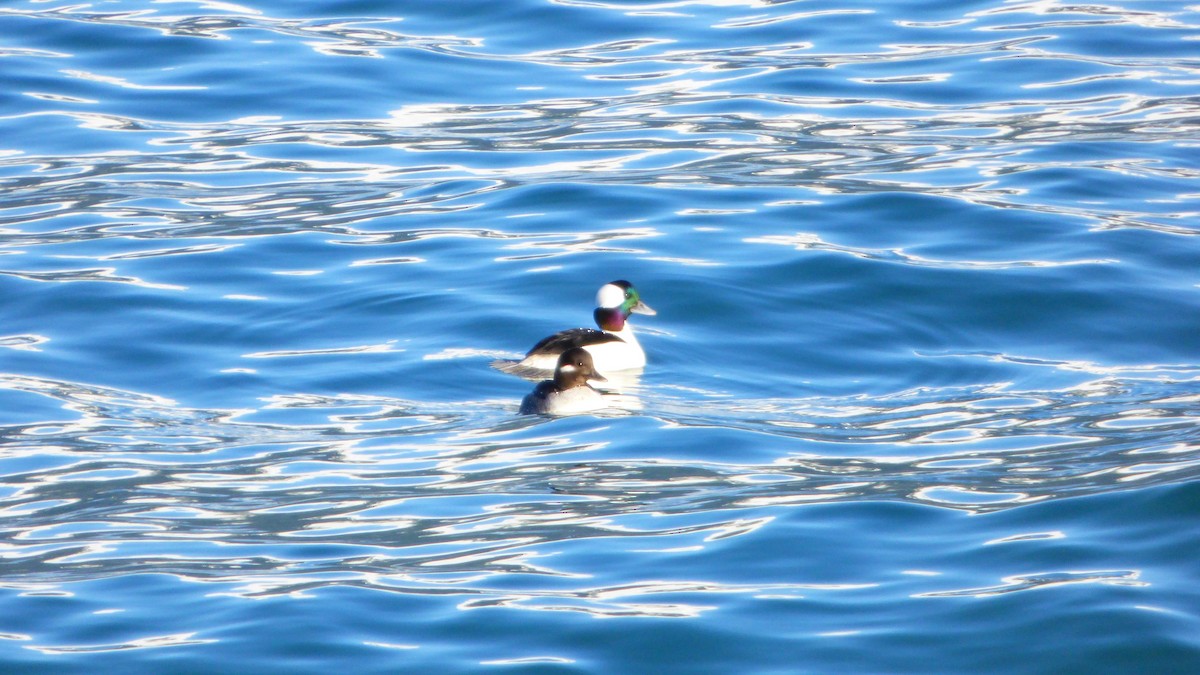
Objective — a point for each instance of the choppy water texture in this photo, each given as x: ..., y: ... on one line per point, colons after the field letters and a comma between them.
x: 923, y: 385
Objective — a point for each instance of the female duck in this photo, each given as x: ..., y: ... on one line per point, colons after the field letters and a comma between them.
x: 613, y: 347
x: 569, y: 391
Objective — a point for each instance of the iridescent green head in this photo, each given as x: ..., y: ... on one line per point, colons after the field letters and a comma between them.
x: 621, y: 295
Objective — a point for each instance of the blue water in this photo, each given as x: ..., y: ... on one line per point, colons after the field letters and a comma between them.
x: 923, y: 390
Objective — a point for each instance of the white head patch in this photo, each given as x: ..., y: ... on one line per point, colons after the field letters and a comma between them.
x: 610, y: 296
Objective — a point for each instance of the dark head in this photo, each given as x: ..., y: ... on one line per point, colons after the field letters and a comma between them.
x: 575, y: 368
x: 621, y: 296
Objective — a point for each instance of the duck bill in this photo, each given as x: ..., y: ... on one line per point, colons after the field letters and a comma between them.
x: 643, y: 308
x: 597, y: 377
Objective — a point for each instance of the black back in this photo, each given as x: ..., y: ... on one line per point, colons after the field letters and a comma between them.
x: 570, y: 339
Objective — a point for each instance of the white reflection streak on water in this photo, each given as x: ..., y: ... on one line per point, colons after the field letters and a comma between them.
x: 808, y: 241
x: 1028, y: 582
x: 141, y: 643
x: 326, y: 492
x: 426, y: 498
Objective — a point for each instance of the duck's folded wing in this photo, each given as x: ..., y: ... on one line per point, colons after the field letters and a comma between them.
x: 539, y: 361
x: 569, y: 339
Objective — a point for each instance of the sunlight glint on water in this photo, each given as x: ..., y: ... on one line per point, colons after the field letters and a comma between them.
x: 921, y: 389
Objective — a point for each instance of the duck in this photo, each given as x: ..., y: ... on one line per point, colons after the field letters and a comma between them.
x: 569, y: 391
x: 613, y: 347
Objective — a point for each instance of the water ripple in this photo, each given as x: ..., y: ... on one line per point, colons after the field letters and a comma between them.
x: 441, y: 501
x: 913, y: 265
x: 1032, y: 582
x: 341, y: 37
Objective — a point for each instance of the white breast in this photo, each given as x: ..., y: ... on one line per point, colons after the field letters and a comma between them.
x: 571, y: 401
x: 624, y: 355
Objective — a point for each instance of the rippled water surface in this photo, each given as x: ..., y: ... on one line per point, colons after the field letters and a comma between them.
x: 923, y: 385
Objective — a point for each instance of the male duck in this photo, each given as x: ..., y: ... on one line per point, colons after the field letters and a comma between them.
x: 614, y: 347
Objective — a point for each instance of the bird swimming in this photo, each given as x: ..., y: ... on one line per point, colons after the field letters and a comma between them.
x: 613, y: 348
x: 569, y: 391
